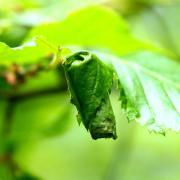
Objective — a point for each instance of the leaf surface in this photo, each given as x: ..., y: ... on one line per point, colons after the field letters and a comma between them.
x: 29, y: 53
x: 90, y: 82
x: 150, y: 89
x: 92, y: 27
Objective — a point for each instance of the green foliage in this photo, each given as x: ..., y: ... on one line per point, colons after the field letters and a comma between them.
x: 35, y: 113
x: 26, y: 54
x: 107, y: 31
x: 150, y: 90
x: 135, y: 76
x: 149, y: 93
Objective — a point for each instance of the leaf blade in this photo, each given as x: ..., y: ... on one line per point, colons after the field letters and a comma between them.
x: 29, y: 53
x: 147, y: 90
x: 108, y: 31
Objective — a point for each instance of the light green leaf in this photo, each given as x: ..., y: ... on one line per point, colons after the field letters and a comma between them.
x: 150, y: 90
x: 29, y: 53
x: 92, y: 27
x: 49, y: 11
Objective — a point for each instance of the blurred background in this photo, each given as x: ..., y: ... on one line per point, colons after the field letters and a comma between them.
x: 40, y: 138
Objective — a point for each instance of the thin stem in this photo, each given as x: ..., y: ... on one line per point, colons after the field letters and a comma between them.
x: 6, y: 158
x: 29, y: 95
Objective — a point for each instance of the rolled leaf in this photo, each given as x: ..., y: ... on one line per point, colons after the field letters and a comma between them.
x: 90, y: 82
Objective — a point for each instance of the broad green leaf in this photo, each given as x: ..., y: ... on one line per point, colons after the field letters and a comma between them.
x: 150, y: 90
x: 92, y: 27
x: 35, y: 12
x: 29, y: 53
x: 49, y: 11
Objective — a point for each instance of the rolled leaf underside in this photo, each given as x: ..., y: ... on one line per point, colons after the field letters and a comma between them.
x: 90, y: 82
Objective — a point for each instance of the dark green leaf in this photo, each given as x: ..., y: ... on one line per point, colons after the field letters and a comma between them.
x: 90, y: 83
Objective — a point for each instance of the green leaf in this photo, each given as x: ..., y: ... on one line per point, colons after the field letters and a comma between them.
x: 92, y: 27
x: 49, y: 11
x: 150, y: 89
x: 29, y: 53
x: 37, y: 12
x: 90, y: 82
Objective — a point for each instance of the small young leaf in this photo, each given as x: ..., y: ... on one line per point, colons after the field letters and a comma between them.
x: 90, y: 82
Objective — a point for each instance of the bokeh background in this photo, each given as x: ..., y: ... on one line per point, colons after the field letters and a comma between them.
x: 39, y: 134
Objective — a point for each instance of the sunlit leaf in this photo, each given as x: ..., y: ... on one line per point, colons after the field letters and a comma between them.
x: 31, y: 52
x: 92, y: 27
x: 150, y: 90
